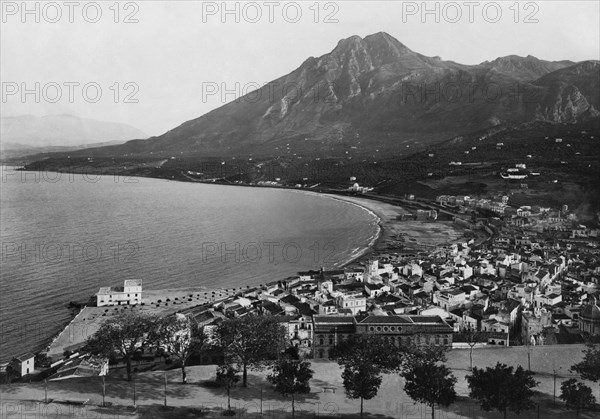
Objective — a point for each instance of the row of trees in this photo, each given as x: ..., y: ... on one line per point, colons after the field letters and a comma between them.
x: 129, y: 332
x: 250, y: 342
x: 260, y: 342
x: 427, y: 380
x: 365, y: 358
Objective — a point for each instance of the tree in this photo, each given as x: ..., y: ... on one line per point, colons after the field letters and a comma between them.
x: 227, y: 376
x: 179, y: 336
x: 472, y: 338
x: 42, y: 360
x: 292, y: 352
x: 364, y: 358
x: 372, y: 349
x: 501, y: 389
x: 576, y: 395
x: 291, y: 377
x: 419, y: 354
x: 430, y: 383
x: 11, y: 373
x: 361, y: 382
x: 427, y: 380
x: 251, y: 341
x: 123, y: 334
x: 589, y: 367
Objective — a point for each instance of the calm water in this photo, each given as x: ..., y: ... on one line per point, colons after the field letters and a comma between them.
x: 64, y: 238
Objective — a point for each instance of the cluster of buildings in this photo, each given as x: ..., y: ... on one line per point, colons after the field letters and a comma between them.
x: 523, y: 286
x: 321, y: 308
x: 535, y: 217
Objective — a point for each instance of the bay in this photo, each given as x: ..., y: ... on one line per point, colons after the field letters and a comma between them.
x: 64, y: 236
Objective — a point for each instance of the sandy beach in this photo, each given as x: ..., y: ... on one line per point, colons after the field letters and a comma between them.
x: 395, y: 234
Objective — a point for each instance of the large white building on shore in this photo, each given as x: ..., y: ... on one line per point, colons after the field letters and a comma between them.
x: 129, y: 294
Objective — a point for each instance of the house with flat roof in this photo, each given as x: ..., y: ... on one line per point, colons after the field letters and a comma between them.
x: 129, y: 294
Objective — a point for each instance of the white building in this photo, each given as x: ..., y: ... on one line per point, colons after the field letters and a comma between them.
x: 24, y: 364
x: 355, y: 302
x: 129, y: 294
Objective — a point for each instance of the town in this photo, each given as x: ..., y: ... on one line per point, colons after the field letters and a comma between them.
x: 530, y: 278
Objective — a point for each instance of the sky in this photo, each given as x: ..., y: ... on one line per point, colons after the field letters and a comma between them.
x: 157, y: 64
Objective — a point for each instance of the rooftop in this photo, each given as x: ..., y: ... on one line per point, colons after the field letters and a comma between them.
x: 25, y: 357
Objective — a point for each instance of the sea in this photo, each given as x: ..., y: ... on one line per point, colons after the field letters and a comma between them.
x: 63, y: 236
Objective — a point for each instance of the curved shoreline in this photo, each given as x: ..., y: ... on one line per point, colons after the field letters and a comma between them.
x: 364, y: 249
x: 355, y: 250
x: 374, y: 239
x: 354, y: 256
x: 381, y: 212
x: 386, y: 229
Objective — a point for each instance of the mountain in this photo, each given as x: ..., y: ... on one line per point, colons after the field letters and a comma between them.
x: 524, y: 68
x: 376, y: 93
x: 62, y: 131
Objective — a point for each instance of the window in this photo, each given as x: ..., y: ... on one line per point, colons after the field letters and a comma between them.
x: 321, y: 342
x: 331, y: 341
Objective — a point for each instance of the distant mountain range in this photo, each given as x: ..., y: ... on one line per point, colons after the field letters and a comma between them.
x: 28, y: 134
x: 375, y: 92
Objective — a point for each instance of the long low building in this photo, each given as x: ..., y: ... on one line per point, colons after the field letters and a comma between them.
x: 400, y: 331
x: 129, y: 294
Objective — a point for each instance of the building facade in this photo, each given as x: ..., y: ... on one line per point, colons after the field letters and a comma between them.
x: 129, y: 294
x: 589, y: 318
x: 300, y: 334
x: 399, y: 331
x: 24, y: 364
x: 405, y: 331
x: 328, y: 331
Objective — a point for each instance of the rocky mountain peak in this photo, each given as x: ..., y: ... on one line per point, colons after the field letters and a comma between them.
x: 380, y: 89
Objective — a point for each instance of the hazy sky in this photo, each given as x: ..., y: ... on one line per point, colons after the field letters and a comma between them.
x: 172, y: 53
